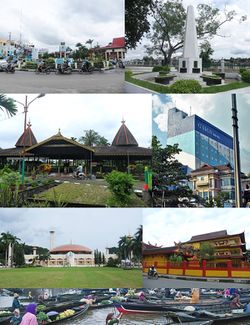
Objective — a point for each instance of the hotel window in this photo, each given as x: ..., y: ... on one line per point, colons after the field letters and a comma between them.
x: 183, y: 64
x: 195, y: 64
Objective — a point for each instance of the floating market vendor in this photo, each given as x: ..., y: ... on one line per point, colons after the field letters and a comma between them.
x: 16, y: 303
x: 236, y: 304
x: 29, y: 317
x: 16, y: 319
x: 111, y: 319
x: 195, y: 296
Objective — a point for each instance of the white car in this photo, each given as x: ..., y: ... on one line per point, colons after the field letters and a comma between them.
x: 3, y: 64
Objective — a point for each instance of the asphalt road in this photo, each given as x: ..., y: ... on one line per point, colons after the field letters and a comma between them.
x: 111, y: 81
x: 176, y: 283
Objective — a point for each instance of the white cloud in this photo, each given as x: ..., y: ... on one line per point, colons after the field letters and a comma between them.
x: 47, y: 23
x: 166, y: 226
x: 74, y: 113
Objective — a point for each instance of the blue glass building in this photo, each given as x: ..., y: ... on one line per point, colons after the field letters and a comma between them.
x: 200, y: 141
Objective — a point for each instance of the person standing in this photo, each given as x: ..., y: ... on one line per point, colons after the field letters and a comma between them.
x: 16, y: 303
x: 29, y: 317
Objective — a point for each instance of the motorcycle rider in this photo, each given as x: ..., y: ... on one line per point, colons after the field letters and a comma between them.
x: 41, y: 66
x: 86, y: 65
x: 152, y: 271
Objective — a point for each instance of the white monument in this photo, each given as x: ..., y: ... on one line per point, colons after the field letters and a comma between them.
x: 190, y: 62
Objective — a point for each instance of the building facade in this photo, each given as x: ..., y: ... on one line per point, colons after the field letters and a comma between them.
x: 200, y: 141
x: 227, y: 248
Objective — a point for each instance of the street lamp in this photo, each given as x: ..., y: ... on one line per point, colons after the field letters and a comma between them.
x: 26, y: 105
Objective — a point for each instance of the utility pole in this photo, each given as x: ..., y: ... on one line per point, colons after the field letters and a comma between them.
x: 236, y: 148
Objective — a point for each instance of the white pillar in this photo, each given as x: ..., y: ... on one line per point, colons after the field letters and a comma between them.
x: 190, y: 61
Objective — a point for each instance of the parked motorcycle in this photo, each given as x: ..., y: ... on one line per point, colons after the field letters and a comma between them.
x: 86, y: 67
x: 10, y: 68
x: 63, y: 69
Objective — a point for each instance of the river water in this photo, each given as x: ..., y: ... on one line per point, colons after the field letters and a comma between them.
x: 98, y: 316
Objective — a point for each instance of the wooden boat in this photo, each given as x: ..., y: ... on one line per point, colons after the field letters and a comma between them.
x: 144, y: 308
x: 79, y: 311
x: 184, y: 318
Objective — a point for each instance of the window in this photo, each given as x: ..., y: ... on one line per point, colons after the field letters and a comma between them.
x: 183, y: 64
x: 195, y: 64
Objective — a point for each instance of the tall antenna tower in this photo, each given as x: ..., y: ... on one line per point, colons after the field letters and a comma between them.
x: 20, y: 26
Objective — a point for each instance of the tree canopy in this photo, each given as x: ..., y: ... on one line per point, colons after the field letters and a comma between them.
x: 167, y: 32
x: 93, y: 138
x: 136, y: 20
x: 8, y: 105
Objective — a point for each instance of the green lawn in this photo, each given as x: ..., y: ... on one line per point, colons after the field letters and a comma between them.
x: 84, y: 193
x: 165, y: 89
x: 74, y: 277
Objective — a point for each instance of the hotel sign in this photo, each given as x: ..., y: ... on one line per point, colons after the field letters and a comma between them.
x: 213, y: 132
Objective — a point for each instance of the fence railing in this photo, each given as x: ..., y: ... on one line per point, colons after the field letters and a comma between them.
x: 205, y: 268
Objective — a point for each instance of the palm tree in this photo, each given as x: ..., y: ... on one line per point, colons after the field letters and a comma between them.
x: 8, y: 239
x: 137, y: 243
x: 7, y: 104
x: 89, y: 41
x: 125, y: 245
x: 90, y: 138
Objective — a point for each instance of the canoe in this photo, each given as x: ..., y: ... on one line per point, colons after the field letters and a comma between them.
x: 80, y: 311
x: 143, y: 308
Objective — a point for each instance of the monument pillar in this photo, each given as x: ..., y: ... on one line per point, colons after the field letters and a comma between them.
x: 190, y: 62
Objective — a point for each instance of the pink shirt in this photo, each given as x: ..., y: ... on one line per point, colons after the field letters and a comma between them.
x: 29, y: 319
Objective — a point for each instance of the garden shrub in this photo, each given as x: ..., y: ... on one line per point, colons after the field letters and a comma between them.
x: 242, y: 70
x: 30, y: 65
x: 245, y: 76
x: 159, y: 68
x: 186, y: 86
x: 121, y: 186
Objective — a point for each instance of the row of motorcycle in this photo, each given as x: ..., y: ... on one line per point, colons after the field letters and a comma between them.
x: 63, y: 68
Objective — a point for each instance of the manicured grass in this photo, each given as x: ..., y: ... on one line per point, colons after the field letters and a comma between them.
x: 165, y: 89
x: 71, y: 277
x: 227, y: 87
x: 85, y: 193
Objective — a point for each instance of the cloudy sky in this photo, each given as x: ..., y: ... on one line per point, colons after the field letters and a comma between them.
x: 45, y: 24
x: 235, y: 40
x: 94, y: 228
x: 166, y: 226
x: 216, y: 109
x: 74, y: 113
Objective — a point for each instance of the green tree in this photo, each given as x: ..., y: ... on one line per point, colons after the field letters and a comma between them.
x: 8, y: 239
x: 93, y: 138
x: 19, y: 255
x: 167, y: 33
x: 168, y: 175
x: 125, y: 246
x: 206, y: 53
x: 80, y: 53
x: 90, y: 42
x: 136, y: 20
x: 8, y: 105
x: 206, y: 251
x: 121, y: 186
x: 221, y: 198
x: 137, y: 244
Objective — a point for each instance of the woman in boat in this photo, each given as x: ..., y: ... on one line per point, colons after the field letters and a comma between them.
x: 236, y: 304
x: 17, y: 318
x: 16, y: 303
x: 111, y: 319
x: 29, y: 317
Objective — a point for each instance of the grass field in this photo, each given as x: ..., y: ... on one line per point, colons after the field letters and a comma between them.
x: 85, y: 193
x: 74, y: 277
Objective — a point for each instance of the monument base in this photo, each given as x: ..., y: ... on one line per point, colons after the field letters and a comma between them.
x: 190, y: 65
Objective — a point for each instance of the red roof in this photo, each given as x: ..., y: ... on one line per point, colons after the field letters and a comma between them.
x: 71, y: 248
x: 117, y: 43
x: 27, y: 139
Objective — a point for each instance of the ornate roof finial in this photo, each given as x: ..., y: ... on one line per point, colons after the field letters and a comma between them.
x: 29, y: 124
x: 123, y: 121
